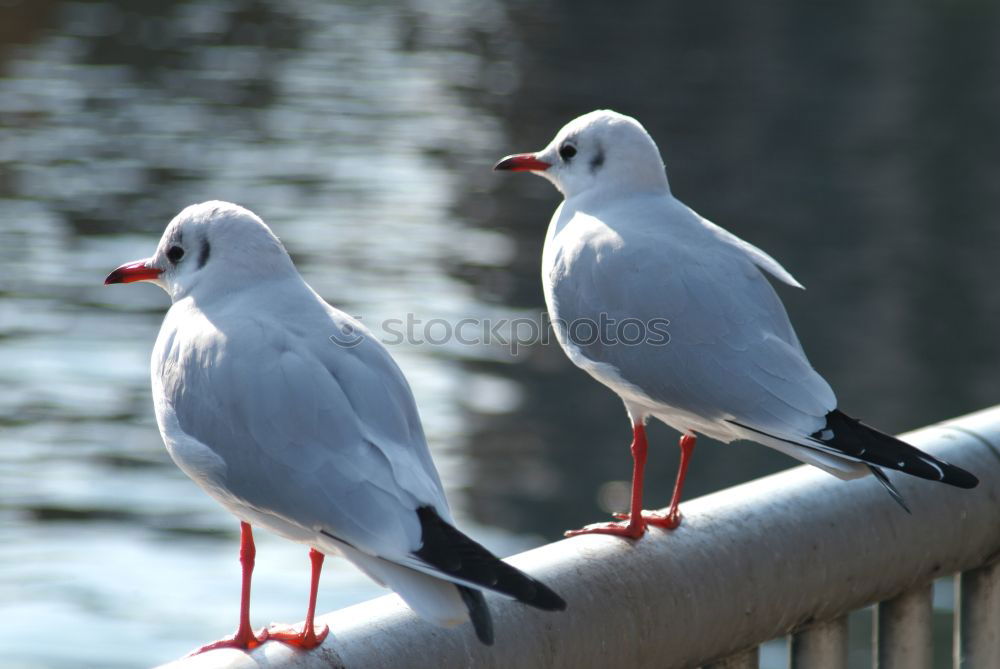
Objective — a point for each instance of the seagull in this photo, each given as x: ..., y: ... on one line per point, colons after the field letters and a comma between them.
x: 718, y: 355
x: 295, y: 418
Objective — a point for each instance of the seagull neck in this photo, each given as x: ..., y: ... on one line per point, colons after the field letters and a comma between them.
x: 594, y: 199
x: 226, y: 288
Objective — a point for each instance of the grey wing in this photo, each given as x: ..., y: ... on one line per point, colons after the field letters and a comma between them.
x: 323, y: 436
x: 731, y: 354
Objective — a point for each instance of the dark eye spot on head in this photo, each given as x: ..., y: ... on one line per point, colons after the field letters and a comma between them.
x: 567, y: 151
x: 174, y: 254
x: 597, y: 160
x: 206, y: 250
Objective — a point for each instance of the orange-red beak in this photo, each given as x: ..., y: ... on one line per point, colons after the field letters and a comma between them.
x: 522, y: 162
x: 136, y: 270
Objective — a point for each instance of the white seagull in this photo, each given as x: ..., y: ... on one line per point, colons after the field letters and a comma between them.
x: 620, y: 249
x: 295, y: 418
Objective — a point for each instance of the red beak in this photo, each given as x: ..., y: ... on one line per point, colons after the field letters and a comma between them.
x: 133, y: 271
x: 522, y: 162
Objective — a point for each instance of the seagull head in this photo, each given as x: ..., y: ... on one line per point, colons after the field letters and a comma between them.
x: 600, y: 151
x: 215, y: 246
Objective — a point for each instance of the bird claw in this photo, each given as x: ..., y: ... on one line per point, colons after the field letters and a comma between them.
x: 245, y: 640
x: 304, y: 640
x: 627, y: 530
x: 666, y: 521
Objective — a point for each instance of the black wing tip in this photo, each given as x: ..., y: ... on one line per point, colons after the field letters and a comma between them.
x: 873, y: 447
x: 545, y: 598
x: 445, y: 548
x: 959, y: 477
x: 479, y: 613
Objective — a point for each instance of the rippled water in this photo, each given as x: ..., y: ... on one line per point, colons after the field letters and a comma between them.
x: 317, y: 117
x: 851, y: 145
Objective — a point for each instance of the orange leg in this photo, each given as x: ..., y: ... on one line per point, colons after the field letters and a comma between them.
x: 635, y: 525
x: 672, y: 518
x: 308, y: 638
x: 244, y: 638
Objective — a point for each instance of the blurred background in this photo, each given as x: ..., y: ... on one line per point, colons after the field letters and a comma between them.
x: 856, y: 142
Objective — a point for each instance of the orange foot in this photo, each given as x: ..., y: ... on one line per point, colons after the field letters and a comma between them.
x: 628, y: 530
x: 244, y: 640
x: 668, y: 521
x: 304, y: 640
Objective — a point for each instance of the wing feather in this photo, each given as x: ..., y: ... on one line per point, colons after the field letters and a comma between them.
x: 320, y: 435
x: 732, y: 354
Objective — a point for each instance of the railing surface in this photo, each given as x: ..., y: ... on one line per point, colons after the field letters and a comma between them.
x: 791, y: 553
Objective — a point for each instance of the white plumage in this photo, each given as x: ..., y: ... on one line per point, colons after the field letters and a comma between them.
x: 622, y: 247
x: 295, y: 418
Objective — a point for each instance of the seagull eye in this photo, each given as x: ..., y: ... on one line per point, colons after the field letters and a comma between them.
x: 174, y: 254
x: 567, y: 151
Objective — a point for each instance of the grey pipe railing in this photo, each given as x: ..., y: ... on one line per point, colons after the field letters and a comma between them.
x: 791, y: 553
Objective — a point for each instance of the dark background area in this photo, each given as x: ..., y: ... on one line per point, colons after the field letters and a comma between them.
x: 855, y: 142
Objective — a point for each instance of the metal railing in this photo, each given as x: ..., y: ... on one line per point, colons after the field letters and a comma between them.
x: 791, y: 553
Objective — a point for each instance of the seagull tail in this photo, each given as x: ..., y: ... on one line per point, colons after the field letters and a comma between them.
x: 432, y: 598
x: 860, y: 442
x: 454, y: 556
x: 439, y: 601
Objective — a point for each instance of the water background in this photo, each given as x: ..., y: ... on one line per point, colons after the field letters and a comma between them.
x: 856, y: 142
